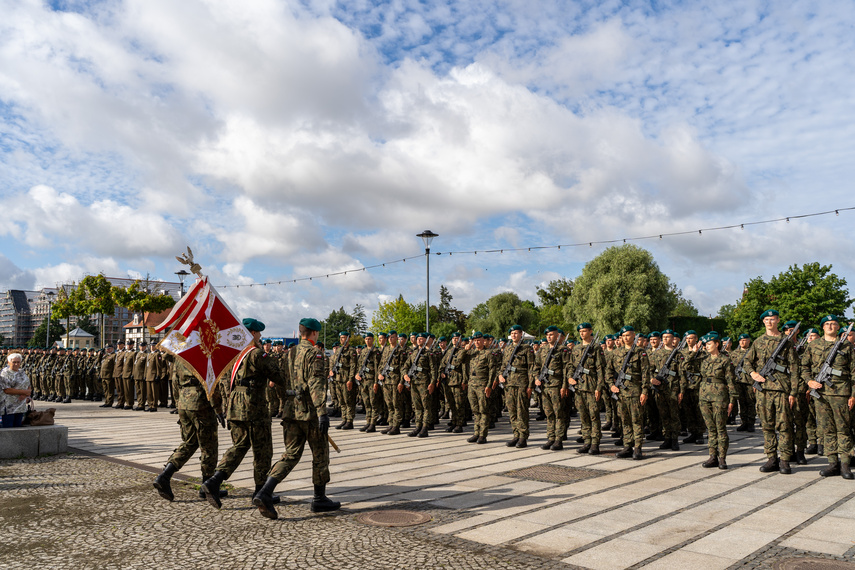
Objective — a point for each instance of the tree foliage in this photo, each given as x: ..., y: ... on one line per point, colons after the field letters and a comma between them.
x: 498, y: 313
x: 447, y: 315
x: 805, y: 294
x: 338, y: 321
x: 555, y: 293
x: 398, y: 315
x: 56, y: 332
x: 622, y: 285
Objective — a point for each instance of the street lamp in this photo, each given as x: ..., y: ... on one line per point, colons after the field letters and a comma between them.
x: 49, y: 296
x: 182, y: 275
x: 427, y: 237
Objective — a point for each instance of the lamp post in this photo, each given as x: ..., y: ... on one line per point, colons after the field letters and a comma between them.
x: 182, y: 275
x: 47, y: 331
x: 427, y: 237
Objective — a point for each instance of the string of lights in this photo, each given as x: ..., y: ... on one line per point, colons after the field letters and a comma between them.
x: 699, y: 231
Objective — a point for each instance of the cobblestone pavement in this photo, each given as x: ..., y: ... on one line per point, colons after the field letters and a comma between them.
x: 76, y: 511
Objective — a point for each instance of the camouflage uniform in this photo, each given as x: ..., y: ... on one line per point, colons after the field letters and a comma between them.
x: 772, y: 403
x: 716, y: 392
x: 744, y: 391
x: 372, y: 395
x: 832, y: 407
x: 346, y: 359
x: 197, y: 418
x: 667, y: 394
x: 453, y: 382
x: 555, y: 380
x: 592, y: 380
x: 481, y: 366
x: 300, y: 422
x: 419, y: 367
x: 518, y: 383
x: 390, y: 363
x: 690, y: 371
x: 638, y: 383
x: 248, y: 417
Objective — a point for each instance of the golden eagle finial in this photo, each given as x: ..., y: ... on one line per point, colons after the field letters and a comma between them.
x: 187, y: 259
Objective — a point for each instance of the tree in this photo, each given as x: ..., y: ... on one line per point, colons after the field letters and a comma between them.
x: 360, y: 321
x: 725, y: 312
x: 553, y: 315
x: 555, y: 293
x: 684, y: 307
x: 398, y: 315
x: 622, y: 286
x: 86, y: 324
x: 56, y: 332
x: 337, y: 321
x: 98, y: 292
x: 500, y: 312
x: 803, y: 294
x: 447, y: 314
x: 139, y: 299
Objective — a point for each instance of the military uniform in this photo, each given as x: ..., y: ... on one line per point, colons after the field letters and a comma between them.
x: 108, y: 363
x: 554, y: 369
x: 518, y: 361
x: 344, y: 370
x: 744, y: 391
x: 591, y: 380
x: 690, y: 371
x: 390, y: 368
x: 372, y: 395
x: 482, y: 367
x: 453, y: 361
x: 419, y: 367
x: 717, y: 391
x: 667, y: 395
x: 636, y: 378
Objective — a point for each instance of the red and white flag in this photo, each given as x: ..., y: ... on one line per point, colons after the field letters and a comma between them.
x: 206, y: 335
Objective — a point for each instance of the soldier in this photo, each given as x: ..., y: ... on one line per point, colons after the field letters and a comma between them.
x: 693, y: 354
x: 453, y: 376
x: 138, y: 372
x: 813, y: 432
x: 389, y: 374
x: 629, y: 365
x: 744, y: 391
x: 273, y: 402
x: 836, y: 399
x: 107, y: 364
x: 305, y: 421
x: 128, y: 374
x: 247, y: 414
x: 197, y: 416
x: 551, y: 365
x: 717, y: 398
x: 342, y: 372
x: 366, y: 376
x: 419, y: 375
x: 589, y: 388
x: 799, y: 409
x: 518, y: 364
x: 481, y: 372
x: 153, y: 366
x: 667, y: 394
x: 776, y: 395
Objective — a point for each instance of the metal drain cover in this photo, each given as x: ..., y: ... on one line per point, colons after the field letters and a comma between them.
x: 810, y: 563
x: 393, y: 518
x: 554, y: 473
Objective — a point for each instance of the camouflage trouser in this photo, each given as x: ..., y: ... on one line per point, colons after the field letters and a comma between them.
x: 812, y: 426
x: 273, y: 402
x: 652, y: 416
x: 366, y: 391
x: 715, y: 417
x: 480, y: 413
x: 517, y: 400
x: 296, y: 435
x: 348, y: 408
x: 669, y: 411
x: 254, y: 434
x: 747, y: 403
x: 774, y: 411
x: 832, y: 413
x: 612, y: 412
x: 589, y: 414
x: 457, y: 404
x: 421, y: 401
x: 407, y: 407
x: 198, y: 430
x: 632, y: 418
x: 394, y: 401
x: 553, y: 407
x: 692, y: 409
x: 800, y: 418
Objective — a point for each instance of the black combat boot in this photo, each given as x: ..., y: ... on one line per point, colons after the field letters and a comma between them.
x: 522, y: 443
x: 276, y: 498
x: 595, y: 449
x: 845, y: 471
x: 162, y: 482
x: 66, y: 400
x: 263, y: 499
x: 457, y: 429
x: 415, y: 431
x: 832, y: 470
x: 513, y: 442
x: 666, y: 444
x: 691, y: 439
x: 396, y: 430
x: 624, y: 453
x: 580, y: 440
x: 424, y: 431
x: 449, y: 429
x: 784, y: 468
x: 636, y: 453
x: 547, y: 445
x: 584, y: 449
x: 558, y: 445
x: 711, y: 462
x: 811, y: 449
x: 371, y: 428
x: 341, y: 425
x: 770, y: 465
x: 365, y: 427
x: 675, y: 445
x: 722, y: 464
x: 472, y: 439
x: 348, y: 425
x: 800, y: 457
x: 322, y: 504
x: 211, y: 488
x: 608, y: 426
x: 481, y: 439
x: 820, y: 450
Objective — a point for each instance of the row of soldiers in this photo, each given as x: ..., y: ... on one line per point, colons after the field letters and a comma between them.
x: 127, y: 376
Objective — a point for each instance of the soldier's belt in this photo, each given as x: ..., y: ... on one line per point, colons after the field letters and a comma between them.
x: 246, y: 382
x: 711, y: 380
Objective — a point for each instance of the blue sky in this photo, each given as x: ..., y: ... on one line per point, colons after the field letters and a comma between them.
x: 281, y: 140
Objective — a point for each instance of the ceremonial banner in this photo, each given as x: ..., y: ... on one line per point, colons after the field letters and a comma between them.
x: 206, y: 335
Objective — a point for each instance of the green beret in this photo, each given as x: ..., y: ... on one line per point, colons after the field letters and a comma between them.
x: 581, y: 326
x: 422, y: 335
x: 655, y: 334
x: 252, y: 324
x: 478, y: 334
x: 690, y: 331
x: 336, y: 344
x: 560, y: 331
x: 382, y: 334
x: 827, y: 318
x: 514, y: 328
x: 626, y: 328
x: 769, y: 313
x: 464, y: 339
x: 811, y: 330
x: 443, y: 339
x: 726, y: 339
x: 311, y: 324
x: 393, y: 332
x: 790, y: 325
x: 344, y: 333
x: 369, y: 334
x: 265, y: 340
x: 744, y: 335
x: 278, y: 343
x: 551, y: 328
x: 454, y: 334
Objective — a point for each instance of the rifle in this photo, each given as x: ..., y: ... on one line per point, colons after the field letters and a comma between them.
x: 364, y: 368
x: 800, y: 346
x: 450, y: 364
x: 826, y: 372
x: 415, y: 367
x: 665, y: 372
x: 772, y: 365
x: 337, y: 364
x: 739, y: 369
x: 622, y: 375
x: 580, y: 368
x: 544, y: 370
x: 384, y: 370
x: 509, y: 368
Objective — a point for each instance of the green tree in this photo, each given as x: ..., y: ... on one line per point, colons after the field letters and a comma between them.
x: 338, y: 321
x: 139, y: 298
x: 56, y: 332
x: 85, y: 323
x: 553, y: 315
x: 622, y: 285
x: 555, y: 293
x: 803, y: 294
x: 725, y: 312
x: 498, y: 313
x: 98, y: 293
x: 447, y: 314
x: 398, y: 315
x: 684, y: 307
x: 360, y: 321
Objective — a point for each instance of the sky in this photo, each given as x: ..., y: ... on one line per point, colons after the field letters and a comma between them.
x: 282, y: 140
